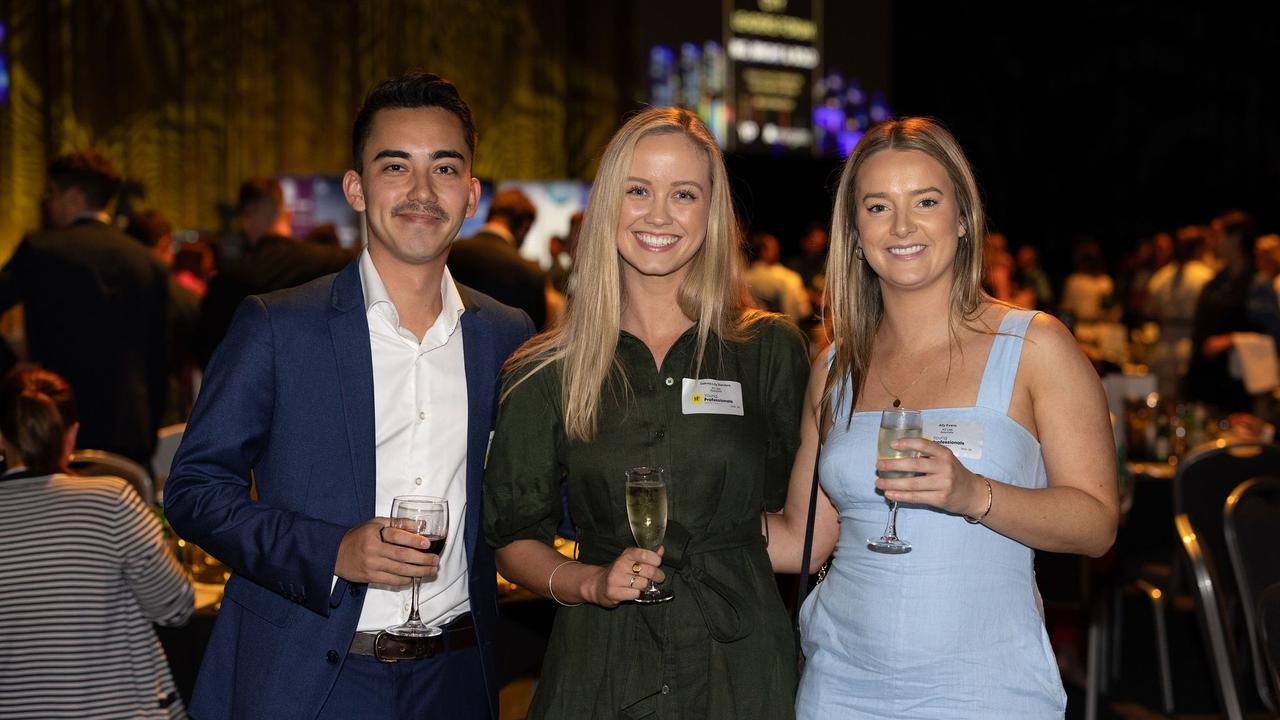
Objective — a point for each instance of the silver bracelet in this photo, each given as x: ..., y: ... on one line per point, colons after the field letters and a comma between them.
x: 552, y: 592
x: 983, y: 516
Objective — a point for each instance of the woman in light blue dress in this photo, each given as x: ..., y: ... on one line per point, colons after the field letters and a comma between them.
x: 1017, y: 456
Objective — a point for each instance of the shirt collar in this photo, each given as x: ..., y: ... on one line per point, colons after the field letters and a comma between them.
x: 501, y: 231
x: 376, y: 296
x: 95, y: 215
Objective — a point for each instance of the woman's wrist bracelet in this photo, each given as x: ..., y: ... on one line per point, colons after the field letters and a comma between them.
x: 552, y: 592
x: 985, y: 513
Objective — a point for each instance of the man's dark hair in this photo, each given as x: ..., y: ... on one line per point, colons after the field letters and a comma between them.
x: 260, y: 190
x: 513, y: 206
x: 411, y: 90
x: 90, y: 172
x: 148, y: 227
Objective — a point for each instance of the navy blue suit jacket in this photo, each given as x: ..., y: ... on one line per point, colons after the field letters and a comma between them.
x: 289, y: 396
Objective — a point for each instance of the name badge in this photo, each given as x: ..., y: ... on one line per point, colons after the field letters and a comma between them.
x: 710, y: 397
x: 963, y: 439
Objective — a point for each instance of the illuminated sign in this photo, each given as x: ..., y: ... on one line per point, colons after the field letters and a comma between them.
x: 4, y: 66
x: 774, y: 53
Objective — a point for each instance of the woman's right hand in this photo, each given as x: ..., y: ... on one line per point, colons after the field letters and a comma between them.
x: 623, y: 579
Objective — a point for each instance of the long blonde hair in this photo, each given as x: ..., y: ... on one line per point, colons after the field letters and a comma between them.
x: 712, y: 293
x: 853, y: 289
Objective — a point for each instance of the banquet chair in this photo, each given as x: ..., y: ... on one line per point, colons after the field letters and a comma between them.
x: 101, y: 462
x: 167, y: 442
x: 1268, y: 612
x: 1204, y: 481
x: 1252, y: 521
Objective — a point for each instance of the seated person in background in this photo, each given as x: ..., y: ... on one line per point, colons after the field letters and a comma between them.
x: 96, y: 308
x: 1232, y: 302
x: 155, y: 232
x: 490, y: 261
x: 273, y: 261
x: 771, y: 285
x: 1172, y: 295
x: 84, y: 571
x: 1089, y: 293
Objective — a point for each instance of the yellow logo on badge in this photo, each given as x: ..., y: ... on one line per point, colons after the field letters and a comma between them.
x: 696, y: 398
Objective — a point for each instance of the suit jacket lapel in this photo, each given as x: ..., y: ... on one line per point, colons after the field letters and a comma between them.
x: 349, y: 328
x: 477, y: 337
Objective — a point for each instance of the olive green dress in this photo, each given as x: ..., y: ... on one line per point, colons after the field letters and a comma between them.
x: 723, y: 648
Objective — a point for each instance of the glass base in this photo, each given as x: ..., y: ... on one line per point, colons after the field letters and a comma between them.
x: 414, y: 630
x: 653, y: 596
x: 889, y: 546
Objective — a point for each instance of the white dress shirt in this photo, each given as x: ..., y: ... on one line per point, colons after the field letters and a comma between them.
x: 420, y: 428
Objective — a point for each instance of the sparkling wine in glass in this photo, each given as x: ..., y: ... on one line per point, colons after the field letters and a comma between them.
x: 895, y: 424
x: 429, y: 517
x: 647, y: 513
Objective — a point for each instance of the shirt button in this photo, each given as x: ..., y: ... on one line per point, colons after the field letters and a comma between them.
x: 423, y: 416
x: 417, y: 481
x: 671, y: 381
x: 666, y: 690
x: 659, y: 435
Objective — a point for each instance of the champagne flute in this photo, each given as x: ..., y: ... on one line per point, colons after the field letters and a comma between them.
x: 647, y: 514
x: 895, y: 424
x: 429, y: 517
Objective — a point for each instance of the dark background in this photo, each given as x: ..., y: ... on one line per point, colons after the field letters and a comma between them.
x: 1112, y: 120
x: 1107, y: 119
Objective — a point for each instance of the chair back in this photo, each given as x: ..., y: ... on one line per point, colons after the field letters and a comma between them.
x: 167, y: 442
x: 101, y: 462
x: 1269, y: 619
x: 1251, y: 520
x: 1204, y: 481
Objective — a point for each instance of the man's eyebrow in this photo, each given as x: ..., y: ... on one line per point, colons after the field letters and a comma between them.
x: 400, y: 154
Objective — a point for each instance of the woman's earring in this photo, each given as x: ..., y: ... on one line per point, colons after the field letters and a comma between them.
x: 857, y: 250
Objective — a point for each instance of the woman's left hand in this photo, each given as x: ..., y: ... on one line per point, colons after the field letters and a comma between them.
x: 943, y: 483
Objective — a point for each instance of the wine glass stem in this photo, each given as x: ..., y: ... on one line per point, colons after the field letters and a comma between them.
x: 891, y: 529
x: 413, y: 611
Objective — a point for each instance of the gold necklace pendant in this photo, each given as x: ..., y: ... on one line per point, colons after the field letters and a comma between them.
x: 897, y: 397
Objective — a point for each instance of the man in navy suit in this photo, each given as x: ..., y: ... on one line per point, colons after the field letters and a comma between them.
x: 330, y: 399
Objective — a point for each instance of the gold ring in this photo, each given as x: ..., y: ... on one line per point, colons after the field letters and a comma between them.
x: 632, y: 582
x: 635, y: 568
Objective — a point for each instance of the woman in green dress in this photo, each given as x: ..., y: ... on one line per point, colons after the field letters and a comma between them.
x: 659, y: 362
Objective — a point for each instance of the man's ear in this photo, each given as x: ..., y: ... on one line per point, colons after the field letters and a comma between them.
x: 353, y: 188
x: 473, y: 198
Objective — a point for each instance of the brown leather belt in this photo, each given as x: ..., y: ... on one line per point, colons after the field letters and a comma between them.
x: 459, y: 634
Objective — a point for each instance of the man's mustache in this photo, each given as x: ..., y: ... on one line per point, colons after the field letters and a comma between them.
x: 424, y: 208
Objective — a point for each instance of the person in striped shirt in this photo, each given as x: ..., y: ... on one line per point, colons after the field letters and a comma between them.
x: 84, y: 572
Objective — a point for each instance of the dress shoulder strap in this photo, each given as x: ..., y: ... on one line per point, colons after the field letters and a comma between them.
x: 1002, y: 364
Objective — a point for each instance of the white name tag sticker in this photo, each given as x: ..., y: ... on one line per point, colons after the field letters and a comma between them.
x: 710, y: 397
x: 964, y: 439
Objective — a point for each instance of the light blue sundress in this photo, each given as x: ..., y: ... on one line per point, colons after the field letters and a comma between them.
x: 954, y: 628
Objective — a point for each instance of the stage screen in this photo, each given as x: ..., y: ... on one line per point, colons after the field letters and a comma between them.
x: 317, y: 200
x: 557, y: 201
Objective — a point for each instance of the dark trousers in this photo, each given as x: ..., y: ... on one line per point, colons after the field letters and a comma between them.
x: 446, y: 686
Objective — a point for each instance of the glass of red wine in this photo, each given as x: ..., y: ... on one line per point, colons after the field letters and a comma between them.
x: 429, y: 517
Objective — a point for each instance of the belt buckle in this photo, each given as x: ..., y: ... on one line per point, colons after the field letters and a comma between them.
x: 410, y: 648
